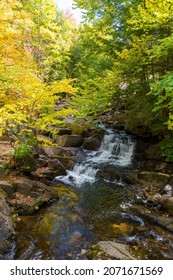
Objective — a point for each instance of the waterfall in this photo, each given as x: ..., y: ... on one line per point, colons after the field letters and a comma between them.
x: 116, y: 149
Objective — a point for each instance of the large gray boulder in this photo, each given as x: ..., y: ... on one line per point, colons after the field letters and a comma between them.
x: 70, y: 140
x: 110, y: 250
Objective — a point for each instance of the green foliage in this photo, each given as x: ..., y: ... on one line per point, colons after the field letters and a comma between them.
x: 166, y: 147
x: 136, y: 37
x: 120, y: 58
x: 22, y: 151
x: 162, y: 89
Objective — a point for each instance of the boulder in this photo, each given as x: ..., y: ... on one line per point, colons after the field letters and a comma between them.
x: 110, y: 250
x: 41, y: 162
x: 57, y: 152
x: 70, y: 140
x: 160, y: 179
x: 146, y: 178
x: 116, y: 250
x: 155, y: 165
x: 23, y: 186
x: 27, y: 187
x: 130, y: 177
x: 30, y: 195
x: 94, y: 141
x: 55, y: 165
x: 116, y: 119
x: 7, y: 188
x: 47, y: 174
x: 54, y: 161
x: 67, y: 162
x: 51, y: 151
x: 167, y: 203
x: 156, y: 198
x: 154, y: 217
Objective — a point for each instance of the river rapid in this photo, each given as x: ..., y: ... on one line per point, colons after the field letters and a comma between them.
x: 95, y: 204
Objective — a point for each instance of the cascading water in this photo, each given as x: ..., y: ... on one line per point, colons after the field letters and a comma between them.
x: 116, y: 149
x: 94, y: 204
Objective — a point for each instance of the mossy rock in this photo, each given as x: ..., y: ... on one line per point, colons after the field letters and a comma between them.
x: 78, y: 129
x: 67, y: 192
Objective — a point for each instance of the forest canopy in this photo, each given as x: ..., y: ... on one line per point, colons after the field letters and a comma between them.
x: 119, y: 58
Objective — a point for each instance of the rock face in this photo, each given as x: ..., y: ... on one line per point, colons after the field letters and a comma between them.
x: 6, y: 227
x: 110, y: 250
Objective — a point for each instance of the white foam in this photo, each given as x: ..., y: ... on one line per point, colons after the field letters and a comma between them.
x: 116, y: 149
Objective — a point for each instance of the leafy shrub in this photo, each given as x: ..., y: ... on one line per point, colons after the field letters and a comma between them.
x: 22, y: 151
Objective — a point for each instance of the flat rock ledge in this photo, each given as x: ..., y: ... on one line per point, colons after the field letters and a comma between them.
x: 110, y: 250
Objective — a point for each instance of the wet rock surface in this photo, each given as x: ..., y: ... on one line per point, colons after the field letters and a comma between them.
x: 155, y: 217
x: 110, y: 250
x: 108, y: 172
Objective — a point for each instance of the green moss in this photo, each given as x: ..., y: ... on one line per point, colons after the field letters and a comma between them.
x: 95, y: 253
x: 66, y: 192
x: 77, y: 128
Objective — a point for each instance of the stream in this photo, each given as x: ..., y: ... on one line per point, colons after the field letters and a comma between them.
x: 94, y: 205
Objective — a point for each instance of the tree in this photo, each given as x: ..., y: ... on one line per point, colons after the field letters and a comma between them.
x: 52, y: 34
x: 26, y: 102
x: 139, y: 43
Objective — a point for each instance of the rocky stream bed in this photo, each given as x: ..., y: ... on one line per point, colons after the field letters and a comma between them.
x: 126, y: 212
